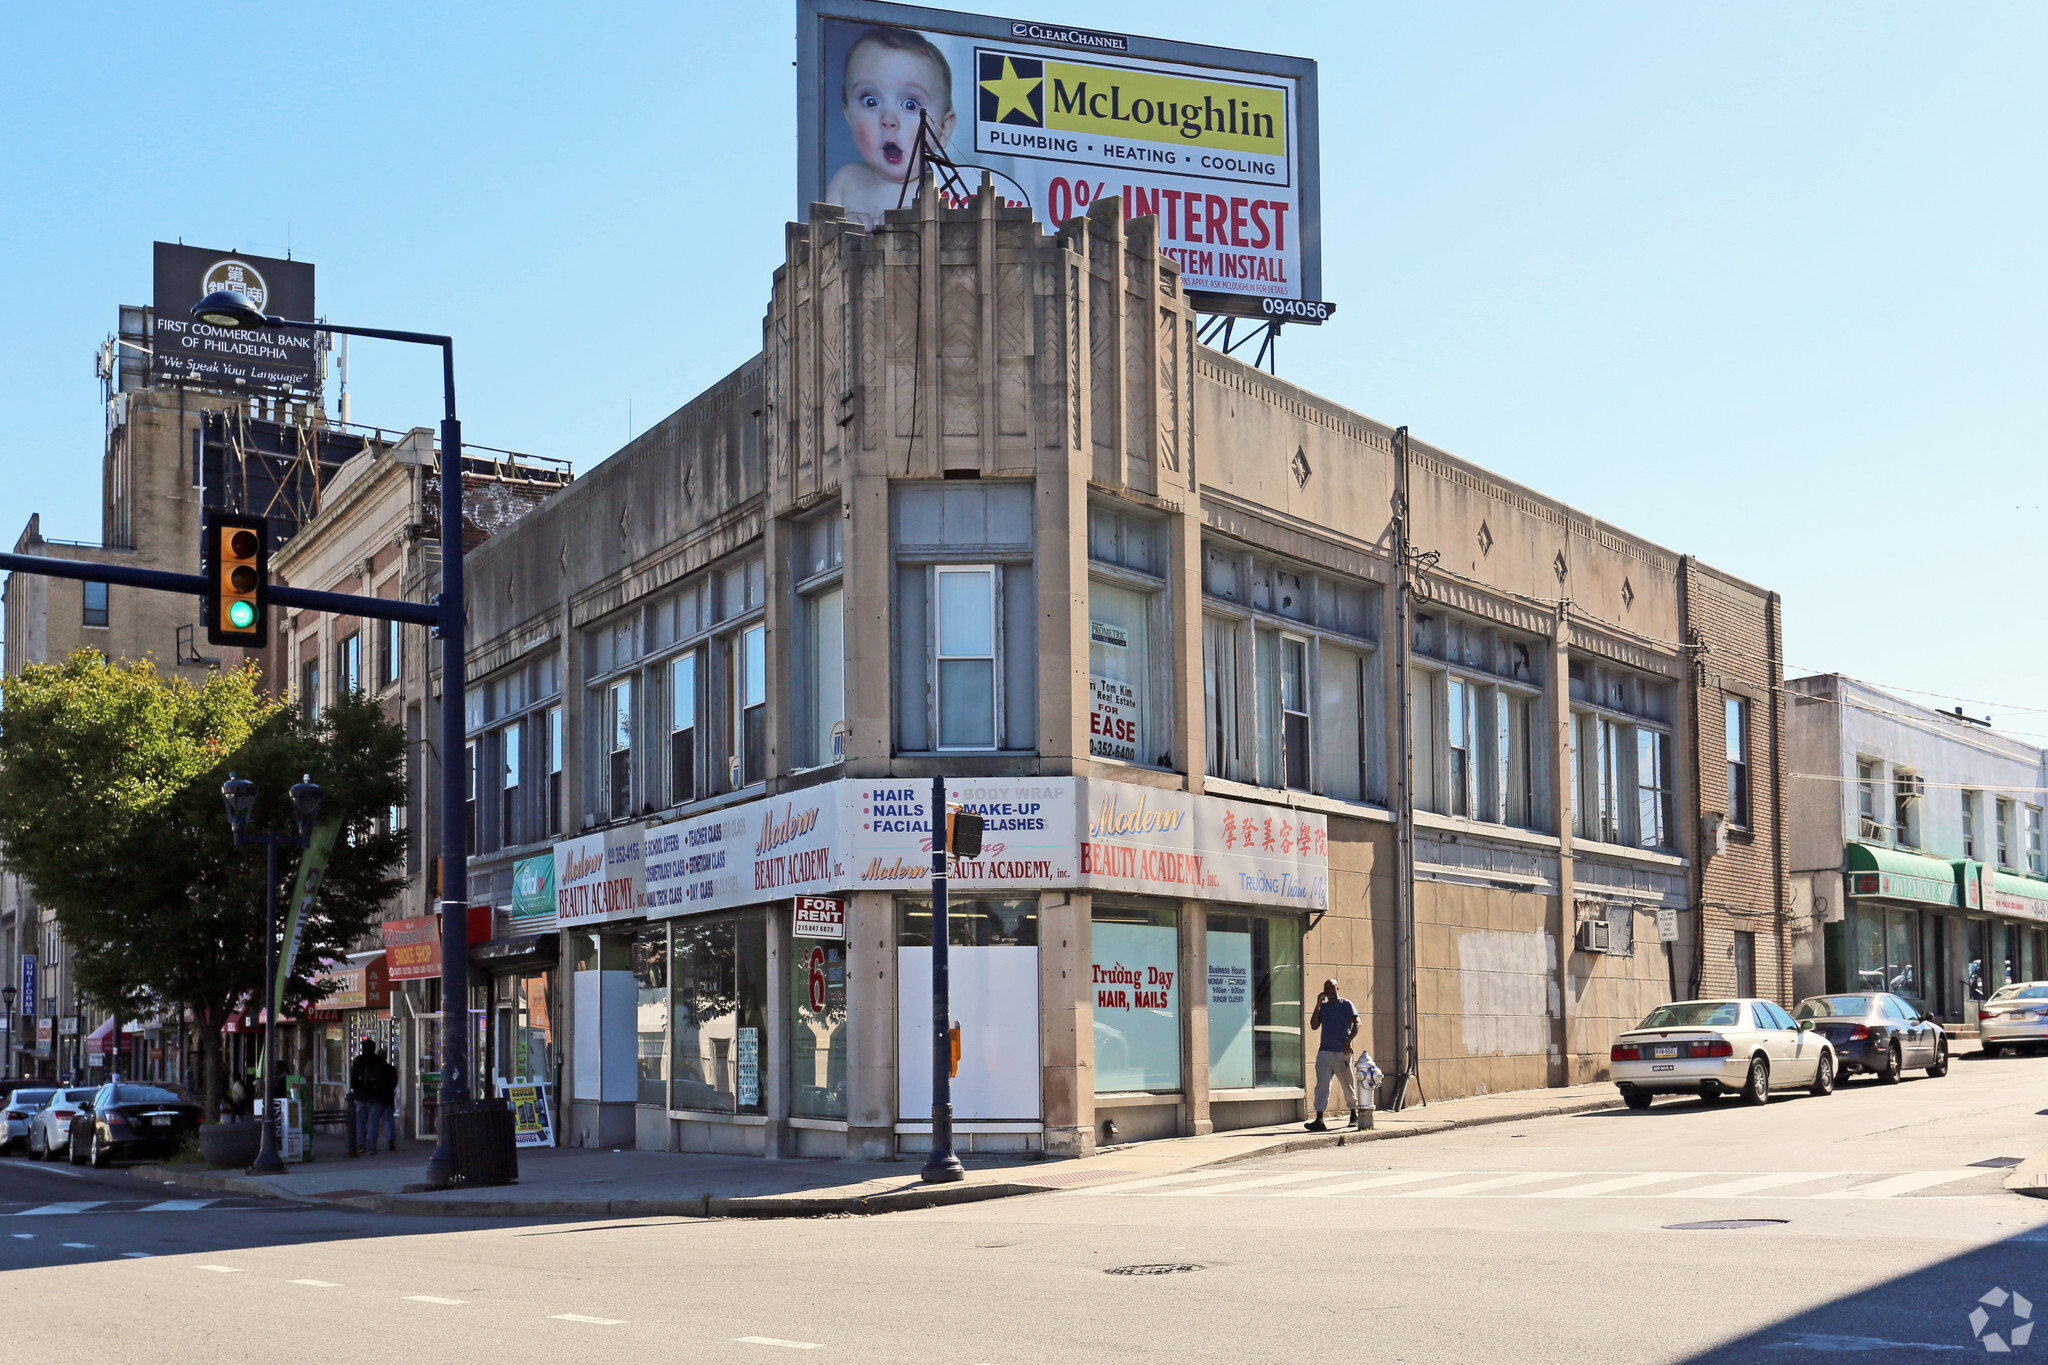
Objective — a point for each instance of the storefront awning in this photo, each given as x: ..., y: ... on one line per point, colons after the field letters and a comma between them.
x: 2020, y: 897
x: 1894, y: 874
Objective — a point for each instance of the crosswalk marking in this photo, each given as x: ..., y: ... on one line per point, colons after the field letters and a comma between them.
x: 1233, y: 1186
x: 1900, y: 1184
x: 76, y: 1206
x: 1754, y: 1184
x: 579, y: 1317
x: 1375, y: 1182
x: 1483, y: 1186
x: 318, y: 1284
x: 1620, y: 1182
x: 178, y: 1205
x: 1126, y: 1187
x: 430, y: 1298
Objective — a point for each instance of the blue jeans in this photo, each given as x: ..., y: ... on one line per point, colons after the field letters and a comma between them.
x: 372, y: 1119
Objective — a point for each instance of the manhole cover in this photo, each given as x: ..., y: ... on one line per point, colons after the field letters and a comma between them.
x: 1715, y: 1223
x: 1160, y: 1269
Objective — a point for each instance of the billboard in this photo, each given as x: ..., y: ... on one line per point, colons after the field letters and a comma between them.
x: 199, y: 354
x: 1219, y: 144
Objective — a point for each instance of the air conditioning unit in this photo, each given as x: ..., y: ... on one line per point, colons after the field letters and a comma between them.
x: 1867, y: 828
x: 1595, y: 936
x: 1911, y: 784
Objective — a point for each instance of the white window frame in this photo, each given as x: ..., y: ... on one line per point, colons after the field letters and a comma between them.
x: 1972, y: 804
x: 2031, y: 831
x: 993, y: 573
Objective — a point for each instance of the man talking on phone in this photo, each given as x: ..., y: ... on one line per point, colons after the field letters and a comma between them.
x: 1338, y: 1019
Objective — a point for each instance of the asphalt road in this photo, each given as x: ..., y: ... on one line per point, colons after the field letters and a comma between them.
x: 1553, y: 1240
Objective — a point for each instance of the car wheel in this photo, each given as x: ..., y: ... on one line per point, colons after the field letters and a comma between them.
x: 1823, y: 1076
x: 1990, y: 1049
x: 1757, y: 1089
x: 1940, y: 1067
x: 1894, y: 1068
x: 1636, y: 1099
x: 74, y: 1153
x: 35, y: 1153
x: 101, y: 1158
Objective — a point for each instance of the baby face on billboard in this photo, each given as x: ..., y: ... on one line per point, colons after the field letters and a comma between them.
x: 892, y: 78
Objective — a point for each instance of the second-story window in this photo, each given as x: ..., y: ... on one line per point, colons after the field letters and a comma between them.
x: 2034, y: 854
x: 509, y: 823
x: 1653, y: 789
x: 95, y: 604
x: 1906, y: 808
x: 2005, y: 858
x: 391, y: 653
x: 348, y: 665
x: 309, y: 689
x: 1622, y: 783
x: 964, y: 652
x: 818, y: 719
x: 553, y: 814
x: 1868, y: 826
x: 469, y: 798
x: 750, y: 701
x: 1736, y: 726
x: 682, y: 728
x: 619, y: 749
x: 1972, y: 802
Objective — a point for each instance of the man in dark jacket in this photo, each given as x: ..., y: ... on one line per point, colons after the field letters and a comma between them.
x: 374, y: 1082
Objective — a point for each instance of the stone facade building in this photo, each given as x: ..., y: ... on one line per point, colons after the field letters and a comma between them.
x: 983, y: 508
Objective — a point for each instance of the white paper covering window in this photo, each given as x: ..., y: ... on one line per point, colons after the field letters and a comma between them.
x: 1119, y: 664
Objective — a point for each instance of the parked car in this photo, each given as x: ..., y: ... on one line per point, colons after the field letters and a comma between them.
x: 2014, y: 1014
x: 131, y: 1121
x: 1878, y: 1033
x: 49, y: 1132
x: 21, y: 1109
x: 1710, y: 1048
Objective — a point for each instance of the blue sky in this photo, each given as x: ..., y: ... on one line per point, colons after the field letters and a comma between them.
x: 1761, y: 282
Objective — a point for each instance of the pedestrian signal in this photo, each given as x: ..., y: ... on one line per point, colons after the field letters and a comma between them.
x: 963, y: 832
x: 234, y: 557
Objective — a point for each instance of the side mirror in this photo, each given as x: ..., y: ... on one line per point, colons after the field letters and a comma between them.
x: 1805, y: 1025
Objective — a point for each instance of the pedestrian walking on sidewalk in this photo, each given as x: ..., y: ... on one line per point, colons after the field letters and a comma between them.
x: 1338, y: 1019
x: 374, y: 1082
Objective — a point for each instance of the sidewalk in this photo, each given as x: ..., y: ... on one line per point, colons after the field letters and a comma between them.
x: 599, y: 1183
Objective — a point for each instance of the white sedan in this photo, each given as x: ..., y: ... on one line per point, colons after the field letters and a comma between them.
x: 19, y: 1113
x: 2014, y: 1014
x: 49, y: 1132
x: 1710, y: 1048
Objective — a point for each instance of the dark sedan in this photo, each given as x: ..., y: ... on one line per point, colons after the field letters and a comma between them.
x: 1881, y: 1034
x: 131, y: 1121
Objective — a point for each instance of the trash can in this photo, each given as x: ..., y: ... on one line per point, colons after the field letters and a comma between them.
x: 481, y: 1140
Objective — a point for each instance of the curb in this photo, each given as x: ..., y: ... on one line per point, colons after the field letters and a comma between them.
x: 2030, y: 1177
x: 708, y: 1205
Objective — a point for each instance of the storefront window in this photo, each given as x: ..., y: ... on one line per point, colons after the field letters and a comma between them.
x: 1902, y: 955
x: 719, y: 976
x: 978, y: 923
x: 1254, y: 1001
x: 1137, y: 997
x: 650, y: 983
x: 817, y: 1034
x: 1885, y: 951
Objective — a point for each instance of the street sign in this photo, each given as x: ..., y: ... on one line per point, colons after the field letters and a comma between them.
x: 820, y: 917
x: 1667, y: 926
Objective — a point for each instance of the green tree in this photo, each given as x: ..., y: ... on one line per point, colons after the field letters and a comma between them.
x: 110, y: 808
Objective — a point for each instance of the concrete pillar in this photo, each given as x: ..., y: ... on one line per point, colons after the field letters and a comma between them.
x: 1067, y: 1023
x: 776, y: 1141
x: 1194, y: 1008
x: 871, y: 1014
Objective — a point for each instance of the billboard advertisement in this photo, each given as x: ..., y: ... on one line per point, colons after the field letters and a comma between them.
x: 1219, y: 144
x: 199, y: 354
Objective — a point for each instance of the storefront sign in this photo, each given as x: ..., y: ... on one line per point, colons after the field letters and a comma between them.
x: 532, y: 1123
x: 28, y: 983
x: 1137, y: 1006
x: 364, y: 986
x: 820, y: 917
x: 412, y: 947
x: 2019, y: 899
x: 533, y: 894
x: 601, y: 877
x: 748, y: 1052
x: 1146, y: 840
x: 45, y: 1037
x: 1027, y: 840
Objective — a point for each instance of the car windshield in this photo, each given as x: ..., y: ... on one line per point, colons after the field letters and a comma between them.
x: 145, y: 1094
x: 1693, y: 1014
x: 1834, y: 1007
x: 2032, y: 991
x: 30, y: 1099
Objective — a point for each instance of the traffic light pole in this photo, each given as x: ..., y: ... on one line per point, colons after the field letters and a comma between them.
x: 943, y: 1166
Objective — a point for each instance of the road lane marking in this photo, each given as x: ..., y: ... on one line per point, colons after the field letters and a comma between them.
x: 80, y: 1246
x: 77, y: 1206
x: 1620, y: 1182
x: 139, y: 1255
x: 178, y: 1205
x: 1374, y: 1182
x: 1483, y: 1186
x: 24, y: 1236
x: 1233, y: 1186
x: 222, y: 1269
x: 778, y: 1341
x: 578, y: 1317
x: 316, y: 1284
x: 429, y: 1298
x: 1900, y: 1184
x: 1753, y: 1184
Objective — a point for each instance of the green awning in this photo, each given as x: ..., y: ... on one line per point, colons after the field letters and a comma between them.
x: 1894, y: 874
x: 2020, y: 897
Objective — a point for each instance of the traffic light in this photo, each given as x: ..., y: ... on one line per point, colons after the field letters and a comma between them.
x: 963, y: 832
x: 234, y: 559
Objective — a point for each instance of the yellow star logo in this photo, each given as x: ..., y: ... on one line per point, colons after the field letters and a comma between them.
x: 1013, y: 92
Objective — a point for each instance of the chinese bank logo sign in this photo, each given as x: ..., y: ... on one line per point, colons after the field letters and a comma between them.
x: 2002, y: 1321
x: 241, y: 277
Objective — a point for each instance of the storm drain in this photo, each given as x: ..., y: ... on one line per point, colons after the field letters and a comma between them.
x: 1714, y: 1224
x: 1161, y: 1268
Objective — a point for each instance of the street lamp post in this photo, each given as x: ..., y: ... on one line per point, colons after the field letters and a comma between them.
x: 230, y: 310
x: 8, y: 992
x: 240, y: 795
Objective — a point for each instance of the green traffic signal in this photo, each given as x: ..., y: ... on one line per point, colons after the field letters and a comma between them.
x: 241, y: 615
